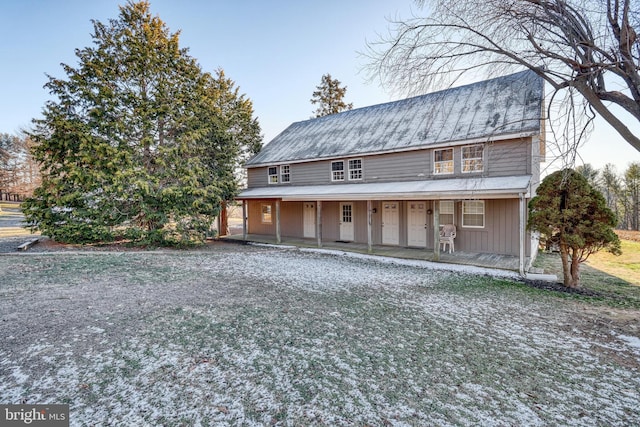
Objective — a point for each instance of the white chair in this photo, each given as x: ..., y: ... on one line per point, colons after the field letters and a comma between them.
x: 447, y: 234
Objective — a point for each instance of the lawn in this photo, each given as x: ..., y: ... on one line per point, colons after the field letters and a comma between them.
x: 615, y: 277
x: 246, y: 335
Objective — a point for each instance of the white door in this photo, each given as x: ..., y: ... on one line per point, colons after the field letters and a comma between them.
x: 390, y: 223
x: 346, y: 222
x: 417, y: 224
x: 309, y: 220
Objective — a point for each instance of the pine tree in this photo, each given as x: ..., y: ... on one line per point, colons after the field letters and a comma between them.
x: 568, y: 211
x: 632, y: 194
x: 122, y: 148
x: 330, y: 97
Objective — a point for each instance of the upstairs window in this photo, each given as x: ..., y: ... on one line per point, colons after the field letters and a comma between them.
x: 473, y: 213
x: 472, y: 158
x: 337, y: 171
x: 273, y: 175
x: 285, y: 173
x: 355, y: 169
x: 443, y: 161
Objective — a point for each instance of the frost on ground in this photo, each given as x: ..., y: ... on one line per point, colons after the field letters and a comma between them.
x: 257, y: 336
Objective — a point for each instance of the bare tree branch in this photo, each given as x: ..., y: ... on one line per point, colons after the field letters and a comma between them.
x: 588, y: 47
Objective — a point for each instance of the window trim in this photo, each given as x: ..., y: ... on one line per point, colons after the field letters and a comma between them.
x: 274, y: 175
x: 462, y: 159
x: 361, y: 169
x: 484, y: 213
x: 262, y: 213
x: 453, y: 166
x: 283, y: 174
x: 333, y: 178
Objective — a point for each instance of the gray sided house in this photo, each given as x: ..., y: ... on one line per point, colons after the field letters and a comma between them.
x: 392, y: 174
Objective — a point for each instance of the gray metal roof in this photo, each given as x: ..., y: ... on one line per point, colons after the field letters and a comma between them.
x: 495, y: 187
x: 509, y: 105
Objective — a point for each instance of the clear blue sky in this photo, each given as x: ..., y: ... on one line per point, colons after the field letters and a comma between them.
x: 275, y: 50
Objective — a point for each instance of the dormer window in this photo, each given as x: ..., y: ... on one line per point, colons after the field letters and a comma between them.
x: 273, y: 175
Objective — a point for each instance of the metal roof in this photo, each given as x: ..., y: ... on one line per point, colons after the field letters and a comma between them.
x: 509, y: 105
x: 459, y: 188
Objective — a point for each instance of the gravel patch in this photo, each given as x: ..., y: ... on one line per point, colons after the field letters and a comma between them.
x: 245, y: 335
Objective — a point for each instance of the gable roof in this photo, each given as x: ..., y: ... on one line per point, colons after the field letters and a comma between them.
x: 509, y: 105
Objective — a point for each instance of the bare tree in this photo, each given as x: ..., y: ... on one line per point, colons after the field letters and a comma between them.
x: 587, y: 51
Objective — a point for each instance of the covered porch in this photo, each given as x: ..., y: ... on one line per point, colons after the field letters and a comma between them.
x: 367, y: 195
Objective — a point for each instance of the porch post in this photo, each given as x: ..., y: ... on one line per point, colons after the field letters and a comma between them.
x: 244, y: 220
x: 369, y: 239
x: 436, y: 230
x: 278, y: 239
x: 522, y: 234
x: 319, y: 222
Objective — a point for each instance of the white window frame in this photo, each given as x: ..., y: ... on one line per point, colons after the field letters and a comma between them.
x: 266, y: 209
x: 477, y: 203
x: 442, y: 162
x: 452, y: 211
x: 285, y: 174
x: 355, y: 170
x: 472, y: 161
x: 337, y: 175
x: 272, y: 178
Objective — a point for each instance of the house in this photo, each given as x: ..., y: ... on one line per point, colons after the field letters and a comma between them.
x: 391, y: 174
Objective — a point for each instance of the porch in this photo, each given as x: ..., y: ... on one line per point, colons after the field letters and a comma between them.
x: 503, y: 262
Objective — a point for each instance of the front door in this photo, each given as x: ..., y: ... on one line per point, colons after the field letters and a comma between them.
x: 346, y: 222
x: 390, y: 223
x: 309, y: 220
x: 417, y: 224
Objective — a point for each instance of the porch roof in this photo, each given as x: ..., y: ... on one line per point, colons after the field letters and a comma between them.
x: 458, y: 188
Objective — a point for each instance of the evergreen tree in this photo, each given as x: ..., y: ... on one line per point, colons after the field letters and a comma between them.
x: 330, y: 97
x: 591, y: 174
x: 123, y: 148
x: 611, y: 188
x: 569, y: 212
x: 632, y: 194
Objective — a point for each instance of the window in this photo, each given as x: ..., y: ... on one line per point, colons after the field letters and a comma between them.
x: 472, y: 158
x: 265, y: 210
x: 337, y: 171
x: 473, y: 213
x: 355, y: 169
x: 273, y: 175
x: 443, y: 161
x: 447, y: 212
x: 285, y: 173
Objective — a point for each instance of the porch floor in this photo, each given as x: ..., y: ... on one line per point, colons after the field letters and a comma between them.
x: 503, y: 262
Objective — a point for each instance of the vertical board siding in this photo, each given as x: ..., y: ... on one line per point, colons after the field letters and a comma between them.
x: 292, y: 219
x: 254, y: 214
x: 500, y: 234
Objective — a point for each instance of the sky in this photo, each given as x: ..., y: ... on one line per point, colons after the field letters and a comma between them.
x: 276, y: 51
